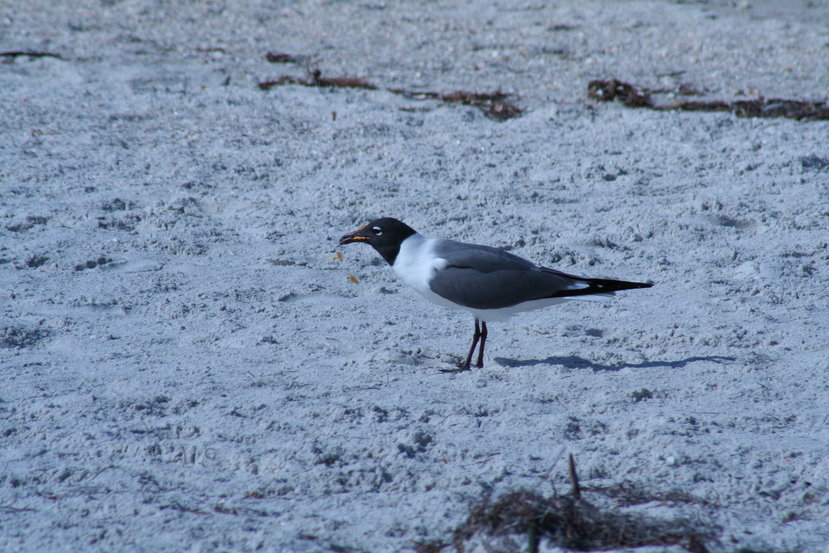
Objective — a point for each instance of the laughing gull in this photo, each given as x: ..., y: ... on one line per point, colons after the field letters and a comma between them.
x: 490, y: 283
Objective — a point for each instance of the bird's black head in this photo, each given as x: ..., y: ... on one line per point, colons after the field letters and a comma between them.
x: 385, y: 235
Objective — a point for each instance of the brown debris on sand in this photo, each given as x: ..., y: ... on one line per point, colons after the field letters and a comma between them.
x: 568, y: 521
x: 636, y: 97
x: 494, y: 105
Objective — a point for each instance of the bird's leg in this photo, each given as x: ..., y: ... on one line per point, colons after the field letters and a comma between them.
x: 480, y: 363
x: 475, y: 337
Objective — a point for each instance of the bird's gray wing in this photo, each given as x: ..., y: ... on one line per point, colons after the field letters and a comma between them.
x: 482, y: 258
x: 482, y: 277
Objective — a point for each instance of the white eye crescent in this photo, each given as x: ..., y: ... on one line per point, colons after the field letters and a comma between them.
x: 377, y: 230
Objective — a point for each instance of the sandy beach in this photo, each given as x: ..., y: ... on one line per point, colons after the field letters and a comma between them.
x: 190, y: 363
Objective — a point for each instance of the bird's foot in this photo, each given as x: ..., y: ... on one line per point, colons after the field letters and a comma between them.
x: 462, y: 367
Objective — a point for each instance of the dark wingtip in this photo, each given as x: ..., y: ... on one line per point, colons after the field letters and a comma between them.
x: 601, y: 286
x: 626, y: 285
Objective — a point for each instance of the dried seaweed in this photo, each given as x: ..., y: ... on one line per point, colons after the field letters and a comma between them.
x: 494, y: 105
x: 574, y: 524
x: 280, y: 58
x: 571, y: 522
x: 635, y: 97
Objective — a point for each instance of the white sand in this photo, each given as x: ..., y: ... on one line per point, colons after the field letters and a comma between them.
x: 220, y: 385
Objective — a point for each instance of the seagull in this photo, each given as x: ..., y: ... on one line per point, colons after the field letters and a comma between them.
x: 490, y: 283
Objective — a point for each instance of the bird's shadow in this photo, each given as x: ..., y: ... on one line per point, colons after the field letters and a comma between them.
x: 576, y: 362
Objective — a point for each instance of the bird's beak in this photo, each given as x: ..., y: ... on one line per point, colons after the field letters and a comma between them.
x: 356, y: 236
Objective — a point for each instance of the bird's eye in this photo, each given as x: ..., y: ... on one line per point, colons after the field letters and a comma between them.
x: 377, y: 230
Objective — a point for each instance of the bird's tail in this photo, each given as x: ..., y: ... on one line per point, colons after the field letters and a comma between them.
x: 595, y: 286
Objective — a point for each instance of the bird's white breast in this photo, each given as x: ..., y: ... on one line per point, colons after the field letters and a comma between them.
x: 416, y: 264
